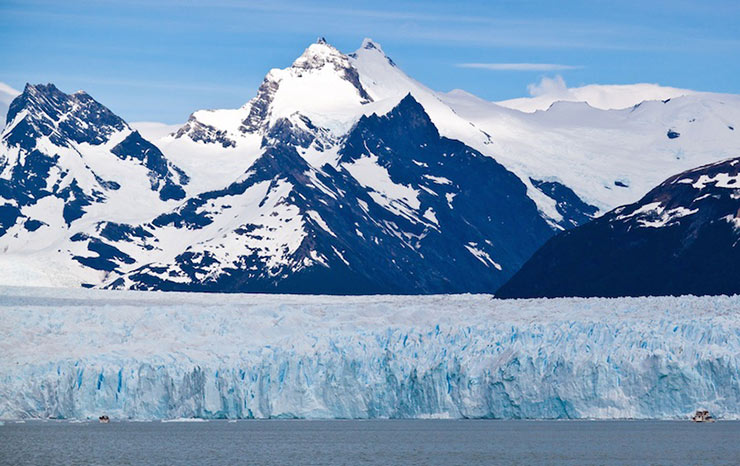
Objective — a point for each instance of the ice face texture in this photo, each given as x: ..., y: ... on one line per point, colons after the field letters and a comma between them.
x: 83, y: 353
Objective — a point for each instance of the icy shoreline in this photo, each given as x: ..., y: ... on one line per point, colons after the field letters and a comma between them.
x: 76, y: 354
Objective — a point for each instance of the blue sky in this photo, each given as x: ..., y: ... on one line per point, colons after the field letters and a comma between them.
x: 161, y: 60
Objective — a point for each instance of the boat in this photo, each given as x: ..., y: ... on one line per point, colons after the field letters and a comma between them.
x: 104, y: 419
x: 702, y: 415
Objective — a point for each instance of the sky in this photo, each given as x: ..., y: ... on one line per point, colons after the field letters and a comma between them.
x: 161, y: 60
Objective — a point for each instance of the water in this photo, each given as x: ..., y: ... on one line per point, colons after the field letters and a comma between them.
x: 407, y: 442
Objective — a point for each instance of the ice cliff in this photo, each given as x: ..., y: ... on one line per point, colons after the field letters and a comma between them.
x: 82, y: 353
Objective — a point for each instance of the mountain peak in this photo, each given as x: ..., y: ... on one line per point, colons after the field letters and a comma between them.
x: 371, y: 47
x: 40, y: 88
x: 42, y: 98
x: 33, y: 92
x: 53, y: 113
x: 407, y: 118
x: 319, y: 54
x: 368, y: 44
x: 320, y: 61
x: 410, y: 110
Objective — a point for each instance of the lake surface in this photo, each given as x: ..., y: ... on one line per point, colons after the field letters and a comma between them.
x: 406, y: 442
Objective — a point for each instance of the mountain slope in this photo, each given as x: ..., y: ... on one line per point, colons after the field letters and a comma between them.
x: 683, y: 237
x: 66, y: 163
x: 602, y: 158
x: 403, y: 211
x: 333, y: 91
x: 608, y: 157
x: 342, y: 175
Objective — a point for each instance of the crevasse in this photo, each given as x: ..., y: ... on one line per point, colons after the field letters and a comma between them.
x: 83, y: 353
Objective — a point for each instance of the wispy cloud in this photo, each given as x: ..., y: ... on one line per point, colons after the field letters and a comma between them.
x: 519, y: 66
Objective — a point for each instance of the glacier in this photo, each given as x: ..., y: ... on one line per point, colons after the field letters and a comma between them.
x: 77, y: 354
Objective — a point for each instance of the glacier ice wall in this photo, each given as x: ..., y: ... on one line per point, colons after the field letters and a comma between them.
x: 82, y: 353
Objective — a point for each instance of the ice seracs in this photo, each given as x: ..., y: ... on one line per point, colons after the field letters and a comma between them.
x: 172, y: 355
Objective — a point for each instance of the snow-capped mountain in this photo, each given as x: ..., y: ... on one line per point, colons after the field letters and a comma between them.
x: 607, y: 157
x: 66, y: 163
x: 683, y: 237
x: 343, y: 174
x: 400, y: 210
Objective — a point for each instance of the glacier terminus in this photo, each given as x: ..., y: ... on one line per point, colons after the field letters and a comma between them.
x: 76, y: 354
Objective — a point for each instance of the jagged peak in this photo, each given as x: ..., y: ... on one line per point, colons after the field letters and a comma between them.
x: 76, y: 116
x: 40, y: 87
x: 44, y: 98
x: 36, y: 90
x: 50, y: 93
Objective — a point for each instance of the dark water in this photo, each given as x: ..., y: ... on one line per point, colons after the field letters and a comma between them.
x: 432, y: 442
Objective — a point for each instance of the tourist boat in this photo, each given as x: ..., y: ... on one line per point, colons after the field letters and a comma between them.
x: 104, y: 419
x: 702, y: 415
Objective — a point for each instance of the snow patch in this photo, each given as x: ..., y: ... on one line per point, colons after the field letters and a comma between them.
x: 482, y: 255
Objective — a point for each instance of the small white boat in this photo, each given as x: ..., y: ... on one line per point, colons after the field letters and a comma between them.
x: 104, y: 419
x: 702, y: 415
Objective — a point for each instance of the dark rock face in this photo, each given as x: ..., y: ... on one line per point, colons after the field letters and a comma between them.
x: 105, y: 258
x: 161, y: 172
x: 472, y: 228
x: 260, y: 107
x: 683, y: 237
x: 201, y: 132
x: 75, y: 117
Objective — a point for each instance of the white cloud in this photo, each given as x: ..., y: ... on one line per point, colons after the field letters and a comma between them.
x: 519, y: 66
x: 154, y: 130
x: 548, y: 86
x: 7, y: 94
x: 613, y: 96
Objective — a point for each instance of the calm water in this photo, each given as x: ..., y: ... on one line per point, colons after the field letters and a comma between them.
x: 370, y: 442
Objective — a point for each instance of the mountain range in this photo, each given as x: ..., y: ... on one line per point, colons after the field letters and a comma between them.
x: 342, y: 175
